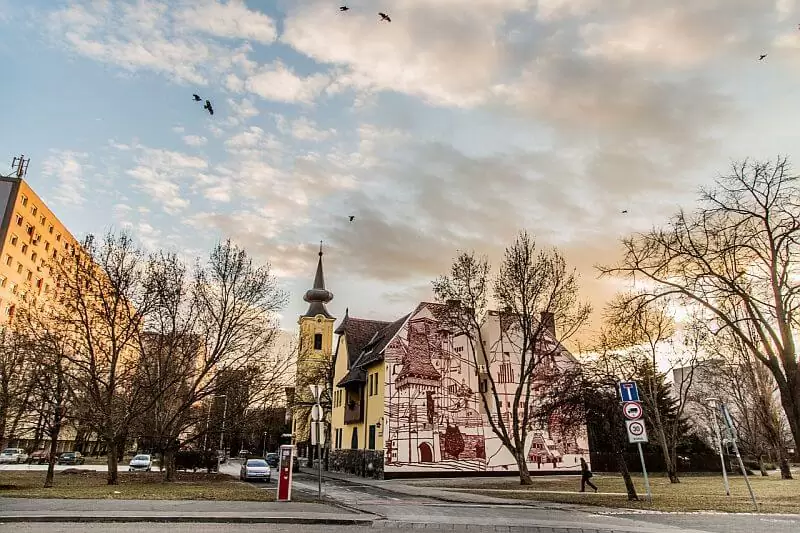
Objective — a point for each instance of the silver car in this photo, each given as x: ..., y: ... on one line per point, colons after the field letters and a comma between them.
x: 255, y: 469
x: 13, y: 455
x: 140, y: 463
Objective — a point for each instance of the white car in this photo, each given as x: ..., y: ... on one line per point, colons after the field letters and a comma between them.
x: 140, y: 463
x: 255, y: 469
x: 13, y: 455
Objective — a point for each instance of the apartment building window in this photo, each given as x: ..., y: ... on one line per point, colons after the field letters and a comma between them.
x: 19, y: 219
x: 34, y: 210
x: 58, y: 237
x: 9, y: 260
x: 38, y: 283
x: 29, y: 275
x: 12, y: 287
x: 29, y: 229
x: 50, y: 229
x: 34, y: 256
x: 46, y: 246
x: 19, y: 268
x: 24, y: 200
x: 2, y: 281
x: 42, y: 220
x: 24, y: 248
x: 14, y: 240
x: 506, y: 373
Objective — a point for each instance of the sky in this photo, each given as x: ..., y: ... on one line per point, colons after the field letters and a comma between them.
x: 449, y: 128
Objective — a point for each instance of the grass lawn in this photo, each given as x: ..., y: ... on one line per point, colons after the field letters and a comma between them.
x: 694, y: 493
x: 132, y: 486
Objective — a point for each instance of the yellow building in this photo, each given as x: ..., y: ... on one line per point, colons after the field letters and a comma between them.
x: 31, y: 239
x: 313, y: 356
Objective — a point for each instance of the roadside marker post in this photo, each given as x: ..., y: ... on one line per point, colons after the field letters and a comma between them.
x: 316, y: 417
x: 637, y: 432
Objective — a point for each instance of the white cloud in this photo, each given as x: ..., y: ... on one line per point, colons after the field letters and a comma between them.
x: 195, y: 140
x: 242, y: 110
x: 278, y: 83
x: 232, y: 20
x: 303, y: 129
x: 67, y: 168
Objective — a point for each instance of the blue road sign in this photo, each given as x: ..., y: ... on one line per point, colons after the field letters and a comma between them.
x: 628, y: 391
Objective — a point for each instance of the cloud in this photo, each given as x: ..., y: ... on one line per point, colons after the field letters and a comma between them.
x: 279, y: 83
x: 232, y: 20
x: 195, y: 140
x: 304, y: 129
x: 67, y: 168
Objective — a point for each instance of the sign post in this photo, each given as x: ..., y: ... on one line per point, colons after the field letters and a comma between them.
x: 316, y: 417
x: 285, y: 466
x: 731, y: 431
x: 637, y: 431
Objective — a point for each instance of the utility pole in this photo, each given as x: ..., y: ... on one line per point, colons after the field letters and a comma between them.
x: 222, y: 433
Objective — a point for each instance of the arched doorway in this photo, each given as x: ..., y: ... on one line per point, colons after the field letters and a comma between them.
x: 425, y: 453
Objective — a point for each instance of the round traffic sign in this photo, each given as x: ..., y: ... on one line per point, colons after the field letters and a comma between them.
x: 632, y: 410
x: 636, y: 428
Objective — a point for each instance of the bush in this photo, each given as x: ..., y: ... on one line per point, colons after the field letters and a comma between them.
x: 195, y: 459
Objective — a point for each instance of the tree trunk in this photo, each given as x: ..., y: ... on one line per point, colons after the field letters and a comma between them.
x: 790, y: 401
x: 622, y: 466
x: 761, y: 467
x: 672, y: 467
x: 168, y: 463
x: 51, y: 463
x: 524, y: 475
x: 783, y: 461
x: 112, y: 478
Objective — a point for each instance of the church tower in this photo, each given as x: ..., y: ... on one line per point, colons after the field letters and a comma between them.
x: 314, y: 355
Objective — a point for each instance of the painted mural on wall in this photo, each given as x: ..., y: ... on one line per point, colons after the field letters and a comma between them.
x: 434, y: 416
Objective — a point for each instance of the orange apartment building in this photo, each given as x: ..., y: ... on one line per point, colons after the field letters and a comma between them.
x: 31, y: 239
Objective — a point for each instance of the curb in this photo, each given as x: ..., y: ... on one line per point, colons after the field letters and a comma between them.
x: 188, y: 519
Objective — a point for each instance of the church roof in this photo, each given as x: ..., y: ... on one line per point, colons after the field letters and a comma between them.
x: 318, y: 296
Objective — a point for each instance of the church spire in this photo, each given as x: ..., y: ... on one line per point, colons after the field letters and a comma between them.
x: 318, y: 296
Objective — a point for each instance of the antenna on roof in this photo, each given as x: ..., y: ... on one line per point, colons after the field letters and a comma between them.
x: 20, y: 166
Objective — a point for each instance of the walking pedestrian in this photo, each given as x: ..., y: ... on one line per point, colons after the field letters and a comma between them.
x: 586, y: 476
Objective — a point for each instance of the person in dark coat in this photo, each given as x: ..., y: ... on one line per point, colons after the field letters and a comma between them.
x: 586, y: 476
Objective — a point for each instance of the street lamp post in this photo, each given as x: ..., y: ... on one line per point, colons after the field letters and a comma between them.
x: 718, y: 435
x: 222, y: 433
x: 264, y: 447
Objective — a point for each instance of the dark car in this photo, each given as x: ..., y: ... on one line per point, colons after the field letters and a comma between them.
x: 272, y: 460
x: 71, y: 458
x: 39, y: 457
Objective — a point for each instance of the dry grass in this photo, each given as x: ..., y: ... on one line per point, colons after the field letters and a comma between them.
x: 132, y: 486
x: 694, y: 493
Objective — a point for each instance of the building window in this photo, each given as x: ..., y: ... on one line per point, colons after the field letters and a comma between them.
x: 46, y: 246
x: 506, y: 373
x: 19, y: 268
x: 24, y: 248
x: 14, y: 240
x: 396, y: 368
x: 34, y: 256
x: 354, y: 439
x: 34, y: 210
x: 29, y: 229
x: 2, y: 281
x: 9, y: 260
x: 371, y: 443
x: 29, y: 275
x: 42, y: 220
x: 318, y: 341
x: 38, y: 283
x: 50, y: 229
x: 24, y: 200
x: 12, y: 287
x: 58, y: 237
x: 19, y: 219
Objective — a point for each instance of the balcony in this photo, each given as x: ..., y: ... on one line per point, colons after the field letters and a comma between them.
x: 353, y: 412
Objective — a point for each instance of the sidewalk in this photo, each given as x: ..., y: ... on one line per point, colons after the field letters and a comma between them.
x: 55, y: 510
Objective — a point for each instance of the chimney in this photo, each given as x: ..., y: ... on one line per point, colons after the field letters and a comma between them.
x: 549, y: 322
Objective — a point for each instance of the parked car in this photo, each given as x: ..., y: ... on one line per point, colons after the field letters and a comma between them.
x: 255, y: 469
x: 272, y: 459
x: 71, y: 458
x: 13, y: 455
x: 140, y: 463
x: 40, y: 457
x: 244, y: 453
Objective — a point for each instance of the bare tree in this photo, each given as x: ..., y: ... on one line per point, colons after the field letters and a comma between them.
x: 101, y: 307
x: 49, y: 350
x: 535, y: 289
x: 644, y: 334
x: 312, y: 370
x: 17, y: 381
x: 749, y: 389
x: 738, y: 250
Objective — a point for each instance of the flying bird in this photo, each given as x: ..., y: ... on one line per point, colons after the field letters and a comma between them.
x: 762, y: 56
x: 344, y: 8
x: 352, y: 218
x: 208, y: 106
x: 624, y: 211
x: 385, y: 17
x: 197, y: 98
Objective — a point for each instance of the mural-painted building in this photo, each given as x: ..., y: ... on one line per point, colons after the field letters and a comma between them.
x: 407, y: 397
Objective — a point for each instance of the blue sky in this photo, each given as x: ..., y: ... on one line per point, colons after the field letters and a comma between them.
x: 451, y: 128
